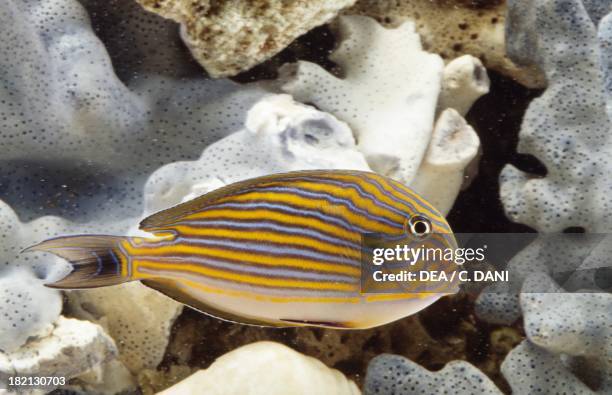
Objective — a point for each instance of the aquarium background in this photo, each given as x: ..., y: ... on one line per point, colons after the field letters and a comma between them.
x: 496, y: 111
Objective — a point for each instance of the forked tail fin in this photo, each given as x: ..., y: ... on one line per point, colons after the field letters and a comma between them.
x: 97, y: 260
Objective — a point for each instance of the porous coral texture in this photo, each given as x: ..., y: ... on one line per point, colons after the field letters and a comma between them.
x: 231, y: 36
x: 453, y: 28
x: 547, y: 373
x: 392, y: 374
x: 573, y: 327
x: 77, y: 140
x: 567, y: 128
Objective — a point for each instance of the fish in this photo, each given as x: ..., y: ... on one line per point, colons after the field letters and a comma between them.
x: 280, y: 250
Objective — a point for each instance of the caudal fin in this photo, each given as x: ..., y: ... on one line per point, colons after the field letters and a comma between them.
x: 96, y: 260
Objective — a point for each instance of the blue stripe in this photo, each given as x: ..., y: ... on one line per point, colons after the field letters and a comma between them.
x: 270, y: 225
x: 280, y: 250
x: 100, y: 264
x: 277, y: 272
x: 330, y: 199
x: 287, y: 209
x: 431, y: 215
x: 361, y: 192
x: 116, y: 261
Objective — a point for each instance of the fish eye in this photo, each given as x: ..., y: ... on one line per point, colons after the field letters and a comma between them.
x: 419, y: 226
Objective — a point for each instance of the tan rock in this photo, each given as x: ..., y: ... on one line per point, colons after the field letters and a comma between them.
x: 453, y: 28
x: 231, y: 36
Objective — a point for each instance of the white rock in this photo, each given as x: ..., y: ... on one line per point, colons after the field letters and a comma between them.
x: 389, y: 105
x: 109, y: 378
x: 454, y: 144
x: 464, y: 80
x: 265, y: 368
x: 72, y: 348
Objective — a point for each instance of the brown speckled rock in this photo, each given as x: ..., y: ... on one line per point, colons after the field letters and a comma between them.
x: 453, y: 28
x: 230, y: 36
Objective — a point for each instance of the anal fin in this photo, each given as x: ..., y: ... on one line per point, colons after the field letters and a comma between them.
x: 323, y: 324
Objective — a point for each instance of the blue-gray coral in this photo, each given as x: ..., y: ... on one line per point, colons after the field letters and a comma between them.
x: 395, y: 375
x: 567, y: 128
x: 78, y: 141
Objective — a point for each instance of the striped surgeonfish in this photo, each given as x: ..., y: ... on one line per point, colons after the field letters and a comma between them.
x: 278, y: 250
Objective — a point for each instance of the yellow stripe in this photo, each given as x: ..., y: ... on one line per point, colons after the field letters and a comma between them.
x: 269, y: 236
x: 288, y: 219
x: 243, y: 278
x: 318, y: 205
x: 418, y: 203
x: 373, y: 190
x: 269, y: 260
x: 393, y: 297
x: 261, y: 297
x: 352, y: 194
x: 295, y: 299
x: 123, y: 261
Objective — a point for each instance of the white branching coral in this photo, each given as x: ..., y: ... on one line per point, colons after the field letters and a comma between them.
x: 452, y: 147
x: 281, y: 135
x: 390, y: 106
x: 464, y: 80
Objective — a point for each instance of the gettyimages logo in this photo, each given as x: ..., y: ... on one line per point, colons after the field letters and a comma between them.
x: 481, y: 262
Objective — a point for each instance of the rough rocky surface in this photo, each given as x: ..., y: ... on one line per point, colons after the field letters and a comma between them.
x: 72, y: 348
x: 453, y: 28
x: 228, y: 37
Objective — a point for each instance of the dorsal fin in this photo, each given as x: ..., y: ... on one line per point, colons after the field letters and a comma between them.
x: 158, y: 220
